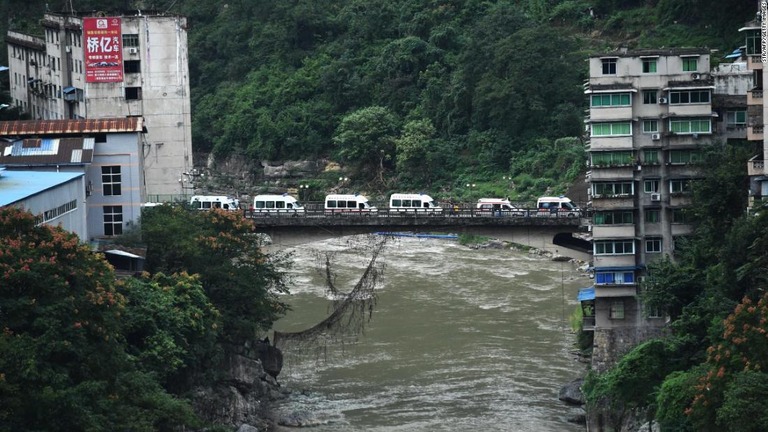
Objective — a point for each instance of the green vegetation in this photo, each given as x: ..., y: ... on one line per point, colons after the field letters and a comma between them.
x: 709, y: 373
x: 80, y: 350
x: 411, y: 95
x: 471, y: 239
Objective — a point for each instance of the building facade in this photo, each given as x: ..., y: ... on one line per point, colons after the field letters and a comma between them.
x: 650, y: 112
x: 756, y: 113
x: 146, y: 75
x: 55, y: 198
x: 105, y: 152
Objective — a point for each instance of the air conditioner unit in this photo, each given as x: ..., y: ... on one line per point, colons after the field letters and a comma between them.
x: 656, y: 136
x: 696, y: 76
x: 68, y: 49
x: 655, y: 197
x: 662, y: 100
x: 133, y: 50
x: 695, y: 136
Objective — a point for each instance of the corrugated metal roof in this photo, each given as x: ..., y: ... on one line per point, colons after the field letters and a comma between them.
x: 47, y: 151
x: 63, y: 127
x: 18, y: 185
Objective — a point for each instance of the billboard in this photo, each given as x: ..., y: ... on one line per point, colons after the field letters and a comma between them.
x: 102, y: 40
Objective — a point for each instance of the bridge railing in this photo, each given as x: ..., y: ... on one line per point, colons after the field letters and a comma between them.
x: 454, y: 212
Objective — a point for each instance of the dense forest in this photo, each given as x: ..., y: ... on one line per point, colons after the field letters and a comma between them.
x: 420, y: 94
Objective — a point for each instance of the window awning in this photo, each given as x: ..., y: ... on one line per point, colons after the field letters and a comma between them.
x: 68, y: 90
x: 586, y: 294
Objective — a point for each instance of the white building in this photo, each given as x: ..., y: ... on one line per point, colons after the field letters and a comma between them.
x: 55, y: 198
x: 106, y: 153
x: 140, y: 69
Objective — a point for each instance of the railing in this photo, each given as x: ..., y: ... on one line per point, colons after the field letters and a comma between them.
x: 314, y: 213
x: 588, y: 323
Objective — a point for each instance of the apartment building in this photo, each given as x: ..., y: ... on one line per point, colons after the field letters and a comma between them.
x: 756, y: 113
x: 112, y: 66
x: 650, y: 112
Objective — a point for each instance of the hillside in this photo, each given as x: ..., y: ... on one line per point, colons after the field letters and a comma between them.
x: 416, y: 94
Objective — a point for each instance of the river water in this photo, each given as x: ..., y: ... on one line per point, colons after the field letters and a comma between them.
x: 460, y: 340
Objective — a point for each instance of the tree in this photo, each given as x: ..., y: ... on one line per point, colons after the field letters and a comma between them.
x: 63, y: 363
x: 366, y: 141
x: 170, y: 326
x: 736, y: 366
x: 241, y: 281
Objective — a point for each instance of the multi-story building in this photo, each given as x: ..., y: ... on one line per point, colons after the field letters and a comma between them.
x: 650, y: 112
x: 756, y: 113
x: 121, y: 66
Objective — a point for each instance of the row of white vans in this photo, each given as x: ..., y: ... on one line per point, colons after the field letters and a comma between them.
x: 398, y: 202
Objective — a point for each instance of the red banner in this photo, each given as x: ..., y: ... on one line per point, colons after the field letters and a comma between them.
x: 102, y: 40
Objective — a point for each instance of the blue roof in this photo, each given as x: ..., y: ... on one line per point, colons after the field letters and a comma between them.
x: 18, y: 185
x: 586, y: 294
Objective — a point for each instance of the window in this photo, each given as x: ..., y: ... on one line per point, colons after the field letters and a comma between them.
x: 690, y: 126
x: 600, y: 189
x: 617, y: 278
x: 736, y: 118
x: 650, y: 97
x: 684, y: 156
x: 653, y: 245
x: 609, y: 66
x: 754, y: 46
x: 649, y: 65
x: 132, y: 93
x: 110, y: 180
x: 617, y: 309
x: 132, y: 66
x: 611, y: 99
x: 651, y: 186
x: 679, y: 186
x: 614, y: 158
x: 678, y: 216
x: 690, y: 64
x: 614, y: 247
x: 612, y: 129
x: 615, y: 217
x: 653, y: 312
x: 652, y: 216
x: 682, y: 97
x: 650, y: 126
x: 130, y: 40
x: 113, y: 220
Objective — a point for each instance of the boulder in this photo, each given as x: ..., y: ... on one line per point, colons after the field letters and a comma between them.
x: 571, y: 392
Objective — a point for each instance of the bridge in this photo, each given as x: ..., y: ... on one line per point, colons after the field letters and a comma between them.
x: 550, y: 232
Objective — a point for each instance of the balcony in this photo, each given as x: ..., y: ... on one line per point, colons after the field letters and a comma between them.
x: 755, y: 97
x: 627, y: 290
x: 756, y: 166
x: 613, y: 231
x: 755, y: 132
x: 754, y: 62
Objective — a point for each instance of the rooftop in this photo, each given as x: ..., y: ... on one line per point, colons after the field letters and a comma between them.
x: 663, y: 52
x: 75, y: 127
x: 18, y: 185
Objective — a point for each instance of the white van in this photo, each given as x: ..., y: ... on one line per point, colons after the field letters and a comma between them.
x: 412, y: 203
x: 557, y: 206
x: 497, y: 207
x: 266, y: 205
x: 348, y: 204
x: 207, y: 202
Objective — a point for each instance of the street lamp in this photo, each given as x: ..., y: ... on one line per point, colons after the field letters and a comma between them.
x: 303, y: 190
